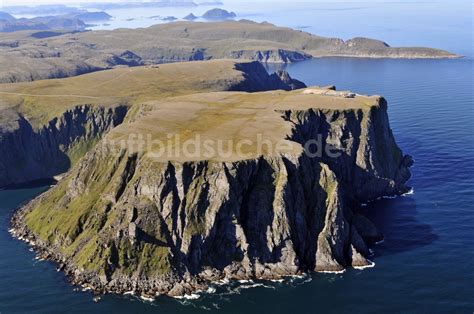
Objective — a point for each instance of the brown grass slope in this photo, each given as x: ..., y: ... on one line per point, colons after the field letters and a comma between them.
x: 41, y: 101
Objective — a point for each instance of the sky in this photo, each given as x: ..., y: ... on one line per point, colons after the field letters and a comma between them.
x: 66, y: 2
x: 32, y: 2
x: 36, y: 2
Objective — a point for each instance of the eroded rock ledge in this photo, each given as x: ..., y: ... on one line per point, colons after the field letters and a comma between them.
x: 126, y: 220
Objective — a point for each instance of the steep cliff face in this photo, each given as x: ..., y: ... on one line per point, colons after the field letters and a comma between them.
x: 370, y: 164
x: 270, y: 56
x: 123, y: 221
x: 29, y: 154
x: 257, y: 79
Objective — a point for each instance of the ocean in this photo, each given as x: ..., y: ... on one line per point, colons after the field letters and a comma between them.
x: 425, y: 263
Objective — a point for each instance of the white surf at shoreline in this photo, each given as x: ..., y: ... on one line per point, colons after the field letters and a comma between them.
x: 371, y: 265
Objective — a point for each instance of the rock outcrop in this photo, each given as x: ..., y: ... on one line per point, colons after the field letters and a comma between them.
x: 257, y: 79
x: 270, y: 56
x: 126, y: 219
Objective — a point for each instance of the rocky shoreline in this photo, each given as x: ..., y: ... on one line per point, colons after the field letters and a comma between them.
x: 168, y: 286
x: 187, y: 287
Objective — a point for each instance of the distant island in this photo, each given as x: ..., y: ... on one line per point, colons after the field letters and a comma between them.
x: 92, y: 16
x: 190, y: 17
x: 218, y: 15
x: 75, y: 21
x: 169, y: 18
x: 215, y: 14
x: 42, y: 23
x: 179, y: 41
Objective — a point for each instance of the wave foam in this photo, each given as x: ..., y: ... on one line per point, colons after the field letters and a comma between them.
x: 372, y: 264
x: 332, y: 271
x: 192, y: 296
x: 147, y: 298
x: 222, y: 282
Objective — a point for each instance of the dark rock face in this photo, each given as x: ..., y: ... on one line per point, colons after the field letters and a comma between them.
x: 126, y: 58
x: 284, y: 77
x: 258, y: 79
x: 28, y: 154
x: 270, y: 56
x: 376, y: 168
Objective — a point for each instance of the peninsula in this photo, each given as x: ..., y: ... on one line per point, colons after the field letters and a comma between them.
x: 127, y: 218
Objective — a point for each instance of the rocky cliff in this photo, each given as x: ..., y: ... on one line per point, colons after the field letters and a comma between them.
x: 126, y: 220
x: 28, y: 154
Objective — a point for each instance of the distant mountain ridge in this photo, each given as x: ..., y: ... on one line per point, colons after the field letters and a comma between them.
x: 42, y: 23
x: 73, y: 54
x: 6, y: 16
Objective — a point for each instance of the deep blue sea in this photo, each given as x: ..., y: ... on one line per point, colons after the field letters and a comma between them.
x: 426, y: 263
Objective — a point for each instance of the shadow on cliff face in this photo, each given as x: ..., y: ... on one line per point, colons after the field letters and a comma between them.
x: 28, y: 154
x: 251, y: 206
x: 396, y: 219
